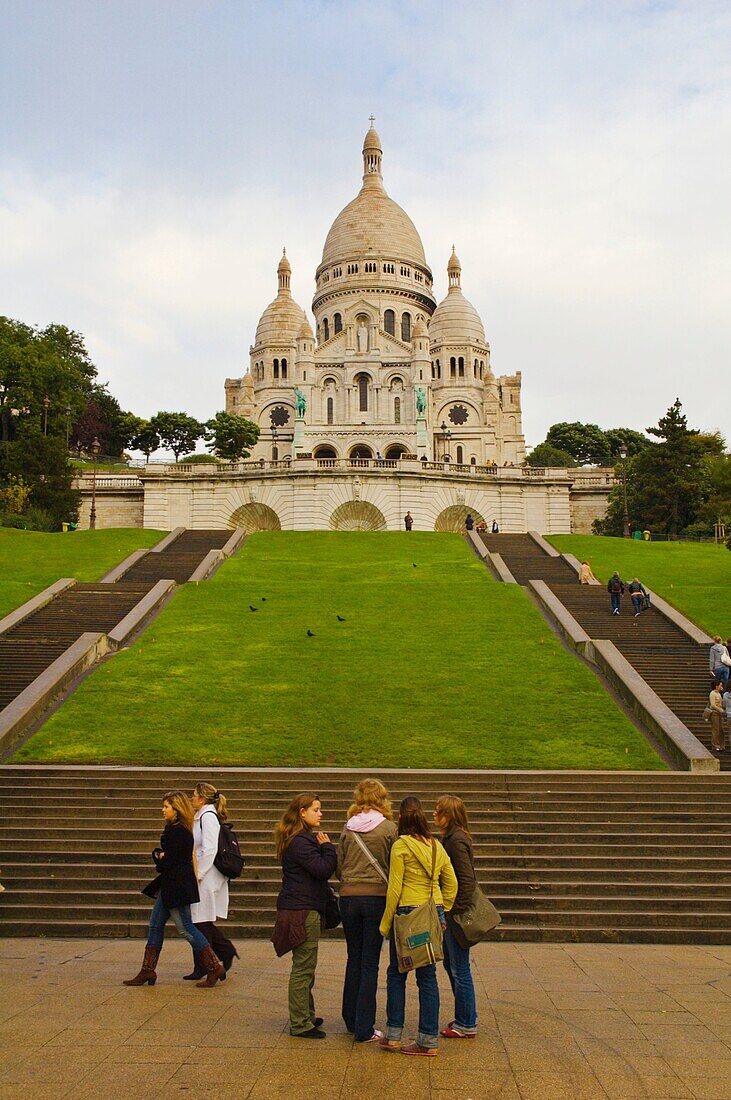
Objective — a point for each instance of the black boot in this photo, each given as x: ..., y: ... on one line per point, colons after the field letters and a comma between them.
x: 197, y: 972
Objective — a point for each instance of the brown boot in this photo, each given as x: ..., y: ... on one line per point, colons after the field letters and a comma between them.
x: 147, y: 973
x: 212, y: 966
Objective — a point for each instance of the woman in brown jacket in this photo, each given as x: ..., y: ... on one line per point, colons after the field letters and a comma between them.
x: 451, y: 817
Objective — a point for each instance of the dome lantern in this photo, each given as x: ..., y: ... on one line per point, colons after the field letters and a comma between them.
x: 372, y: 156
x: 454, y: 271
x: 284, y: 273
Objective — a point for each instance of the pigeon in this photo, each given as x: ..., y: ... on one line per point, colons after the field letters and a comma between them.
x: 340, y: 618
x: 310, y: 634
x: 414, y: 564
x: 253, y: 608
x: 263, y: 599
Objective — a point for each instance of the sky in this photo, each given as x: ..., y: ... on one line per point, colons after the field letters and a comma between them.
x: 155, y: 156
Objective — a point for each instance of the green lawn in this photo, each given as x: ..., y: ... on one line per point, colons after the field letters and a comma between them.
x: 31, y: 560
x: 694, y: 577
x: 435, y: 665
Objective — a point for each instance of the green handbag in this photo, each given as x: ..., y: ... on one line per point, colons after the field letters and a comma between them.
x: 418, y: 934
x: 478, y: 919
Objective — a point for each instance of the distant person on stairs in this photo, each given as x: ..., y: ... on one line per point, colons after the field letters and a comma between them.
x: 469, y: 523
x: 495, y: 529
x: 586, y: 574
x: 408, y: 521
x: 715, y: 703
x: 638, y: 595
x: 210, y: 810
x: 175, y: 889
x: 718, y: 660
x: 615, y: 588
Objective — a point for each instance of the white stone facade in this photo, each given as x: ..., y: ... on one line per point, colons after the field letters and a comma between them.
x: 383, y: 350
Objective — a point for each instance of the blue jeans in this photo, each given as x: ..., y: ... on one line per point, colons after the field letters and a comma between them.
x: 426, y: 980
x: 637, y: 602
x: 182, y: 920
x: 616, y: 600
x: 361, y: 918
x: 722, y: 673
x: 457, y: 965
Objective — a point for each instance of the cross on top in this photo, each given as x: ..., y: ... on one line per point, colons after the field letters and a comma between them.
x: 371, y: 119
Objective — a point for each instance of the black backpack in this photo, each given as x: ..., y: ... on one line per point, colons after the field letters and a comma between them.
x: 229, y: 860
x: 616, y: 585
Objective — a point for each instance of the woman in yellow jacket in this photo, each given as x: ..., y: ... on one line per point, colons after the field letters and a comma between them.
x: 409, y: 885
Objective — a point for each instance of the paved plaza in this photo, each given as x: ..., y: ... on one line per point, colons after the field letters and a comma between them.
x: 558, y: 1020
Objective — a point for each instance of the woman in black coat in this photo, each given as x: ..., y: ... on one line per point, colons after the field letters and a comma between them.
x: 308, y: 860
x: 174, y: 890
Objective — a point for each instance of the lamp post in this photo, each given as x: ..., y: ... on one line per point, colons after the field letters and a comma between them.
x: 625, y: 517
x: 68, y: 424
x: 445, y: 435
x: 95, y: 448
x: 275, y: 452
x: 46, y: 407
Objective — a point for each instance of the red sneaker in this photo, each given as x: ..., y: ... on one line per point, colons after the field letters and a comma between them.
x: 451, y: 1031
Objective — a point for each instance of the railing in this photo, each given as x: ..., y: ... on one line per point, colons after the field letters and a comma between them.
x: 407, y: 464
x: 106, y: 482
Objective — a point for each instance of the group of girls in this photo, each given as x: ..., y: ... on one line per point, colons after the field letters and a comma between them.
x: 385, y: 868
x: 189, y: 887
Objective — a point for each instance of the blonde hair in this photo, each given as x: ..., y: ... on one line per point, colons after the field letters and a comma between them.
x: 370, y: 794
x: 291, y: 823
x: 183, y: 807
x: 213, y: 797
x: 453, y: 809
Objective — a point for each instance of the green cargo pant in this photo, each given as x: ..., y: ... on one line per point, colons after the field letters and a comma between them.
x: 302, y: 978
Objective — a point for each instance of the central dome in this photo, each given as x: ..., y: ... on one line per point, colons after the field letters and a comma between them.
x: 373, y: 224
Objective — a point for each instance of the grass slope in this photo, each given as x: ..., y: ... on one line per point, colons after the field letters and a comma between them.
x: 694, y: 577
x: 429, y: 669
x: 31, y: 560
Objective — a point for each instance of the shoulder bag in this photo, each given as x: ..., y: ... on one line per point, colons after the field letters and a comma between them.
x: 478, y: 919
x: 418, y: 934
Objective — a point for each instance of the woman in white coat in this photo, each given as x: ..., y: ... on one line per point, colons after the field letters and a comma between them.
x: 210, y: 810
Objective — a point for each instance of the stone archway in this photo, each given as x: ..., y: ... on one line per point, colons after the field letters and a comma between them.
x: 325, y: 451
x: 255, y: 517
x: 396, y: 450
x: 360, y: 450
x: 357, y: 515
x: 453, y: 517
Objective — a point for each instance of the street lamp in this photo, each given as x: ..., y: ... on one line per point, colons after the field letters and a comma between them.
x: 46, y: 407
x: 275, y: 452
x: 623, y: 456
x: 445, y: 435
x: 95, y: 448
x: 68, y: 424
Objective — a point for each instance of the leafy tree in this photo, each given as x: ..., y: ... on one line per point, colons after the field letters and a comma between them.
x: 201, y: 459
x: 178, y: 431
x: 632, y: 441
x: 666, y: 481
x: 545, y: 454
x: 43, y: 463
x: 147, y: 439
x: 586, y: 442
x: 15, y: 495
x: 230, y: 437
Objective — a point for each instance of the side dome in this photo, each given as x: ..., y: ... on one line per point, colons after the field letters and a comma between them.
x: 281, y: 321
x: 373, y: 224
x: 455, y: 320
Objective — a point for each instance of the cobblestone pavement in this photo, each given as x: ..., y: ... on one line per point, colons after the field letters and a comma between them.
x: 556, y: 1021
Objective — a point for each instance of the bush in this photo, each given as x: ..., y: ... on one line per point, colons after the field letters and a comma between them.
x: 200, y: 459
x: 12, y: 519
x: 33, y: 519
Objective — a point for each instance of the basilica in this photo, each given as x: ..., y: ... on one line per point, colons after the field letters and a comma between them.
x: 387, y: 374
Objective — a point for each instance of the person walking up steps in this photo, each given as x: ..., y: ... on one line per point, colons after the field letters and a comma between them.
x: 615, y: 588
x: 638, y: 594
x: 210, y: 810
x: 175, y: 889
x: 419, y: 870
x: 363, y: 856
x: 308, y: 860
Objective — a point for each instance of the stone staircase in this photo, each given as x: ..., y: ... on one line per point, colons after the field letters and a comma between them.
x: 627, y: 857
x: 675, y: 667
x: 31, y: 646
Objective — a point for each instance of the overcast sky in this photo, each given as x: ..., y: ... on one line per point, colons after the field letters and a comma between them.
x: 155, y: 156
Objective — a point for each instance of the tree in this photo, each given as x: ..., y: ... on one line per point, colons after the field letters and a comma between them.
x: 586, y: 442
x: 146, y: 440
x: 178, y: 431
x: 43, y: 463
x: 633, y: 442
x: 666, y: 481
x: 230, y: 437
x: 547, y: 455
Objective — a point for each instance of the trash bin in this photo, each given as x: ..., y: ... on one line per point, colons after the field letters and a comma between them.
x: 64, y: 527
x: 646, y: 536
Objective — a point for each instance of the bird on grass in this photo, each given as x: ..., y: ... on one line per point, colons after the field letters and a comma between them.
x: 263, y: 599
x: 414, y: 564
x: 340, y: 618
x: 253, y: 608
x: 310, y: 634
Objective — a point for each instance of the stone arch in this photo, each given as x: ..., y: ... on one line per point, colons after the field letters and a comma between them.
x: 357, y: 515
x: 325, y: 450
x: 453, y: 517
x: 396, y: 450
x: 255, y: 517
x: 360, y: 450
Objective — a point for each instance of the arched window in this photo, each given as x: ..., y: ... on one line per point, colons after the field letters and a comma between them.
x: 397, y: 410
x: 452, y: 367
x: 473, y: 461
x: 275, y: 454
x: 276, y: 368
x: 439, y: 369
x: 474, y: 368
x: 362, y: 384
x: 330, y: 410
x: 406, y: 327
x: 337, y: 323
x: 389, y: 322
x: 325, y: 329
x: 460, y: 454
x: 461, y: 366
x: 433, y: 371
x: 284, y: 368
